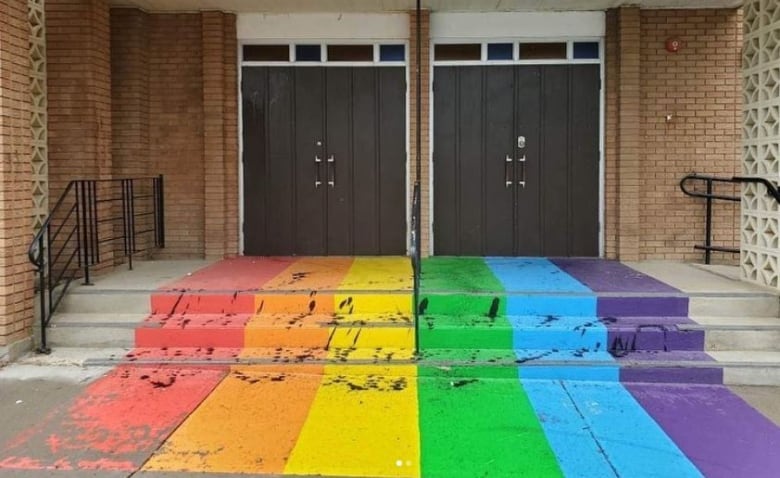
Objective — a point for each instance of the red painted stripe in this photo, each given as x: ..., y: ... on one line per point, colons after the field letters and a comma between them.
x: 116, y: 423
x: 240, y: 273
x: 203, y: 330
x: 202, y: 303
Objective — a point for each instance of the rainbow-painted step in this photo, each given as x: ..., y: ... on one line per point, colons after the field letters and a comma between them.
x: 306, y: 366
x: 283, y: 310
x: 560, y: 318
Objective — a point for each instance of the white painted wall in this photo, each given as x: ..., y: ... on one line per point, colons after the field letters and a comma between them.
x: 348, y: 27
x: 517, y: 25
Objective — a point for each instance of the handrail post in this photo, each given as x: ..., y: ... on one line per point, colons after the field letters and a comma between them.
x: 82, y: 223
x: 708, y: 225
x: 43, y: 348
x: 161, y: 209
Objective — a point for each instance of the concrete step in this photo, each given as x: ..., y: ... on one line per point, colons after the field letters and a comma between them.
x: 559, y: 333
x: 738, y: 333
x: 68, y: 329
x: 749, y: 367
x: 101, y: 301
x: 734, y: 304
x: 732, y: 368
x: 277, y: 330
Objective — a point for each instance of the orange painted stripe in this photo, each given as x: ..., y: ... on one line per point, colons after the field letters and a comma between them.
x: 249, y: 424
x: 312, y: 273
x: 287, y: 330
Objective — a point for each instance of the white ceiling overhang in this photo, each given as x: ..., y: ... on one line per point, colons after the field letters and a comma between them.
x: 367, y: 6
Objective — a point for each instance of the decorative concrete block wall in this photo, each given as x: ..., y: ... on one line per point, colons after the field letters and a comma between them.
x: 760, y: 242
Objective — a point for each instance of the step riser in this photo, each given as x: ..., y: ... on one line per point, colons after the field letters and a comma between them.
x: 304, y: 303
x: 557, y: 305
x: 592, y: 339
x: 88, y: 336
x: 735, y: 306
x: 105, y: 303
x: 763, y: 340
x: 758, y: 376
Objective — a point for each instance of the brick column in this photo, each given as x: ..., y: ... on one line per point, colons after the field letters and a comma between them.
x: 79, y: 81
x: 230, y: 137
x: 130, y: 92
x: 219, y: 133
x: 78, y: 46
x: 627, y: 143
x: 16, y: 294
x: 425, y: 67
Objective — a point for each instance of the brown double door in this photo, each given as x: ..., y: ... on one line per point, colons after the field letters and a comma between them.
x: 324, y: 160
x: 516, y: 160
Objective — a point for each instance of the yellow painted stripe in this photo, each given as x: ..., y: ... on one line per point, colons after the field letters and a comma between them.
x: 366, y: 303
x: 379, y: 273
x: 364, y: 422
x: 249, y: 424
x: 373, y: 337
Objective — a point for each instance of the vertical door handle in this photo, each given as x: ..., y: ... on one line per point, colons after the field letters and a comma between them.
x: 317, y: 180
x: 508, y: 166
x: 522, y: 162
x: 331, y: 171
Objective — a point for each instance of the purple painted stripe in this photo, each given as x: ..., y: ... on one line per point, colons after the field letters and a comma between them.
x: 654, y: 338
x: 697, y: 375
x: 669, y: 374
x: 652, y: 333
x: 720, y: 433
x: 642, y: 306
x: 611, y: 276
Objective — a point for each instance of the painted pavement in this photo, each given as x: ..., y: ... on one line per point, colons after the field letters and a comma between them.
x: 306, y: 366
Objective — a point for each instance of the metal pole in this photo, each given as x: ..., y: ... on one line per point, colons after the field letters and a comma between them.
x: 418, y: 172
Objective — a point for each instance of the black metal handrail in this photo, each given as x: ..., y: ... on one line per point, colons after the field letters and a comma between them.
x: 415, y: 253
x: 710, y: 196
x: 83, y: 222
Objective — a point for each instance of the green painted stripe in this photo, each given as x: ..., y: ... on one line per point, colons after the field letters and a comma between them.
x: 480, y: 427
x: 458, y: 274
x: 457, y: 278
x: 464, y: 332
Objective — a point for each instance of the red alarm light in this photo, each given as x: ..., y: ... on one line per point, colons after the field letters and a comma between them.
x: 672, y: 45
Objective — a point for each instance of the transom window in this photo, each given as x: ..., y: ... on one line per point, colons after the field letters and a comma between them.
x: 530, y: 51
x: 318, y: 53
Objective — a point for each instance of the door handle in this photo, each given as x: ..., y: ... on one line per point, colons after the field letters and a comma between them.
x: 317, y: 180
x: 331, y: 171
x: 522, y: 162
x: 507, y: 173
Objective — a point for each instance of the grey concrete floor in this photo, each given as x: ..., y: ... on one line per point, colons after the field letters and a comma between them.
x: 764, y: 399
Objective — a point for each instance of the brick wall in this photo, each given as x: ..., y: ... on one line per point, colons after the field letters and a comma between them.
x: 186, y: 123
x: 700, y: 87
x: 647, y: 217
x: 16, y: 293
x: 425, y: 67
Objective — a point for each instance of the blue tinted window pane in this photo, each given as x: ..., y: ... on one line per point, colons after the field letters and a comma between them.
x: 586, y: 50
x: 499, y: 51
x: 307, y: 53
x: 392, y: 53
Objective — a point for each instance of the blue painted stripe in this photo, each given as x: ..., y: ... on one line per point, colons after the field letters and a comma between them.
x: 599, y: 429
x: 533, y: 274
x: 559, y: 332
x: 570, y: 438
x: 631, y: 439
x: 549, y: 304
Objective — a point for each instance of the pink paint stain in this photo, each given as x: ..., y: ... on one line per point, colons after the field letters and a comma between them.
x: 118, y: 421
